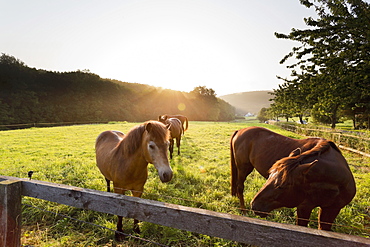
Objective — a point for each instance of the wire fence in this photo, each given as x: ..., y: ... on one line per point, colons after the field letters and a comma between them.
x: 364, y: 231
x: 229, y: 209
x: 358, y: 142
x: 166, y: 197
x: 232, y: 209
x: 95, y: 225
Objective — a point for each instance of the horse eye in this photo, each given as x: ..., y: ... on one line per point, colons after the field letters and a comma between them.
x: 151, y: 146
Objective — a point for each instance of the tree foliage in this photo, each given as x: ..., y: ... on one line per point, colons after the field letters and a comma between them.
x: 332, y: 63
x: 264, y: 115
x: 28, y: 95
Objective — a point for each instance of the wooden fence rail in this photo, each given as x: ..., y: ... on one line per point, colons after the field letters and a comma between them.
x: 233, y: 227
x: 353, y: 143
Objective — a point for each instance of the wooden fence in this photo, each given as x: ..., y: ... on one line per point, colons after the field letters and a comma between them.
x: 351, y: 142
x: 233, y: 227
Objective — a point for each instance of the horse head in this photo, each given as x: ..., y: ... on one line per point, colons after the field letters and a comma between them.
x: 155, y: 145
x: 162, y: 118
x: 283, y: 188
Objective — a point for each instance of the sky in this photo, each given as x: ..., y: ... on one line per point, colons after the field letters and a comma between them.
x: 226, y: 45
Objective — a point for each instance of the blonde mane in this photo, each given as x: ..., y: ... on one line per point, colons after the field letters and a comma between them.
x: 133, y: 139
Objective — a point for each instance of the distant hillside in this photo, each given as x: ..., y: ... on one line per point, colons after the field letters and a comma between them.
x: 30, y: 95
x: 248, y: 101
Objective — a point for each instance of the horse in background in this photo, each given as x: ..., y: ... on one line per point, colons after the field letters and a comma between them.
x: 319, y: 177
x: 124, y: 159
x: 176, y: 130
x: 259, y: 148
x: 183, y: 119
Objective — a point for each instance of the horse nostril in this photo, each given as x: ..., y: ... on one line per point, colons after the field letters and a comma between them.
x: 166, y: 177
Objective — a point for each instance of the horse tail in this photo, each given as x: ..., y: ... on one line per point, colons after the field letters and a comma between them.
x: 234, y: 170
x: 186, y: 126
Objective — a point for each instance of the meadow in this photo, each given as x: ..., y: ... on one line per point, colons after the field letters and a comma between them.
x: 201, y: 179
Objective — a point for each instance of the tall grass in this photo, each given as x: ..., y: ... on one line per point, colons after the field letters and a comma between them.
x: 201, y: 179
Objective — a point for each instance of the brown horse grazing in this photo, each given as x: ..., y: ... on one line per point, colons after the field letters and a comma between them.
x: 175, y: 127
x: 182, y: 118
x: 319, y: 177
x: 124, y: 159
x: 259, y: 148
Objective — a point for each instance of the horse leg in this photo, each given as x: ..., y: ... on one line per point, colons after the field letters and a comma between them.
x: 178, y: 140
x: 171, y: 147
x: 108, y: 184
x: 136, y: 227
x: 327, y: 217
x: 119, y: 236
x: 242, y: 175
x: 303, y: 214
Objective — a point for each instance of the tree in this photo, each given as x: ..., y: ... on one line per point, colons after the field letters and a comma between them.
x: 29, y: 95
x: 207, y: 103
x: 203, y: 91
x: 263, y: 115
x: 291, y: 99
x: 333, y: 59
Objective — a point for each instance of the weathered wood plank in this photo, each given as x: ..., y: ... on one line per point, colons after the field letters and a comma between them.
x: 354, y: 151
x: 233, y: 227
x: 10, y: 213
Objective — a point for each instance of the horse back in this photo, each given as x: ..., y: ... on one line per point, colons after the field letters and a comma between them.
x: 175, y: 127
x: 105, y: 147
x: 183, y: 119
x: 333, y: 165
x: 261, y: 148
x: 330, y: 174
x: 108, y: 138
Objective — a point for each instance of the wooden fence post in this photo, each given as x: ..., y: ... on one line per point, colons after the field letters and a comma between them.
x: 10, y: 213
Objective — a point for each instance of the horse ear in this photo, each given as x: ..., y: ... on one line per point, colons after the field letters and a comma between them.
x: 295, y: 152
x: 148, y: 127
x: 310, y: 166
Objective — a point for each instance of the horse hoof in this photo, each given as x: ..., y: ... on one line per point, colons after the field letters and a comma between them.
x: 119, y: 236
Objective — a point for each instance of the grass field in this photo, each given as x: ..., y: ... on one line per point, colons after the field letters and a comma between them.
x: 201, y: 179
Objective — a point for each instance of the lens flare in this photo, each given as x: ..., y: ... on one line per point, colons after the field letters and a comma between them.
x: 181, y: 107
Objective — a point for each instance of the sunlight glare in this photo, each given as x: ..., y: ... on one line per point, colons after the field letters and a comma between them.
x: 181, y: 107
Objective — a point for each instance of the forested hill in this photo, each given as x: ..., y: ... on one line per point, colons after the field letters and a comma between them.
x: 29, y: 95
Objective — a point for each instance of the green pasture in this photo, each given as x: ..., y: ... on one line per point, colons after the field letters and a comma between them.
x: 201, y: 179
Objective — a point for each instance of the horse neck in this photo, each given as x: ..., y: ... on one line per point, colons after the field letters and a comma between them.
x: 132, y: 150
x: 289, y: 144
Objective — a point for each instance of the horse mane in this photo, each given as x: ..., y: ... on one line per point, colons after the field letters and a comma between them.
x: 158, y: 131
x: 132, y: 140
x: 285, y: 166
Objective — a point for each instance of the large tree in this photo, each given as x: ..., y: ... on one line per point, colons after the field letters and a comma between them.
x: 333, y: 60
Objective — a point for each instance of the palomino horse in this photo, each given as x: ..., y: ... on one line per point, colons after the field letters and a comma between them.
x: 175, y: 127
x: 124, y: 159
x: 259, y: 148
x: 319, y: 177
x: 182, y: 118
